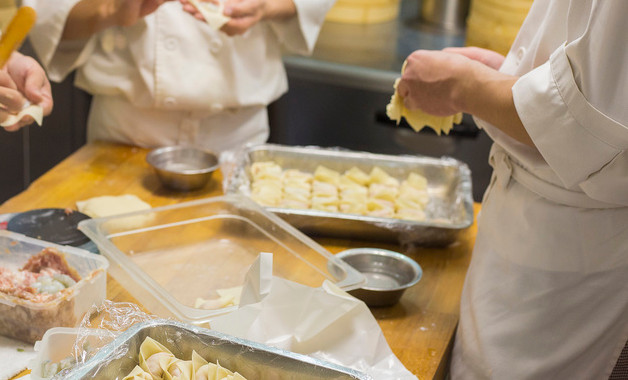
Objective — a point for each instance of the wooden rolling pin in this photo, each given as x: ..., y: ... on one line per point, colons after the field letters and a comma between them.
x: 16, y: 32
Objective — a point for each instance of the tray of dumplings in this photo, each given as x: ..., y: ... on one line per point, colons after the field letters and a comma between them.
x: 349, y: 194
x: 165, y: 349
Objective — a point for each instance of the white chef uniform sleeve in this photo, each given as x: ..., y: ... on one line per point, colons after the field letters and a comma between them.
x: 299, y: 33
x: 573, y: 106
x: 58, y: 57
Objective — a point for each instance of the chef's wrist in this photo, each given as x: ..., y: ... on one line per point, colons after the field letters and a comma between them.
x: 89, y: 17
x: 278, y: 9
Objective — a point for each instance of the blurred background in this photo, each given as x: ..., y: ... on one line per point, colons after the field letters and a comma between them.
x: 337, y: 96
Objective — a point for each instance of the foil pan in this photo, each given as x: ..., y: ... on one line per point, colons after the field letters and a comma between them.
x: 252, y: 360
x: 449, y: 211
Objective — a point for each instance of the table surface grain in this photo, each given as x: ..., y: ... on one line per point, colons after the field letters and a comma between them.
x: 419, y: 329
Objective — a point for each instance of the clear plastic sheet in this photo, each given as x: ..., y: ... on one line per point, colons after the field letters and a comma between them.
x: 99, y: 327
x: 449, y: 211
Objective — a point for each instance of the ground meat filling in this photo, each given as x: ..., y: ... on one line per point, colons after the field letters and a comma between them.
x: 44, y: 277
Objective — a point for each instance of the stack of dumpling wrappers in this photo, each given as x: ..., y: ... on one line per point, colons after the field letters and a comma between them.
x: 375, y: 194
x: 157, y: 362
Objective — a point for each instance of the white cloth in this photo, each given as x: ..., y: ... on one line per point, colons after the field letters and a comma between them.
x: 546, y: 295
x: 171, y: 62
x: 14, y: 357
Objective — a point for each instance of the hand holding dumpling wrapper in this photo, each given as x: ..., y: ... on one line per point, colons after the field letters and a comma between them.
x: 417, y: 118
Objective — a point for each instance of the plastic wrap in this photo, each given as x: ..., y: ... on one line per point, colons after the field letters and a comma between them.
x: 448, y: 212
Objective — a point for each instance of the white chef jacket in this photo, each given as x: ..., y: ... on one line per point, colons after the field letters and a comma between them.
x: 171, y: 79
x: 546, y: 294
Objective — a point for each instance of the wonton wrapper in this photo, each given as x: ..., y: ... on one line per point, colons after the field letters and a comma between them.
x: 138, y: 374
x: 179, y: 370
x: 417, y: 118
x: 378, y: 175
x: 33, y: 110
x: 324, y: 174
x: 358, y: 176
x: 213, y: 13
x: 416, y: 180
x: 109, y: 205
x: 266, y: 170
x: 155, y: 365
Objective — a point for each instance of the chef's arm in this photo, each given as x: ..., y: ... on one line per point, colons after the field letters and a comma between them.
x: 279, y: 9
x: 89, y: 17
x: 445, y: 83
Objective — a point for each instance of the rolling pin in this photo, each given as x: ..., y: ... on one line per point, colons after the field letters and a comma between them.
x: 16, y: 32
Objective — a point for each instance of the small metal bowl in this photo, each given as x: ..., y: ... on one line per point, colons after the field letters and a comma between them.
x: 388, y: 274
x: 181, y: 167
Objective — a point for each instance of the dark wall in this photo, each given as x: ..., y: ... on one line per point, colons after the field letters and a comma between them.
x: 27, y: 154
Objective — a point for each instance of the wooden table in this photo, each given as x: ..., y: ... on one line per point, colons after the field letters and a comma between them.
x: 419, y: 329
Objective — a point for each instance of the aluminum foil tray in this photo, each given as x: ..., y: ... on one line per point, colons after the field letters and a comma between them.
x: 449, y: 211
x: 253, y: 360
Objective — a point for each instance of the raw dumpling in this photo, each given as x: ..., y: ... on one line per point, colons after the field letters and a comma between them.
x: 417, y: 181
x: 154, y: 357
x: 378, y: 175
x: 358, y: 176
x: 381, y: 191
x: 138, y: 374
x: 265, y: 170
x: 324, y: 174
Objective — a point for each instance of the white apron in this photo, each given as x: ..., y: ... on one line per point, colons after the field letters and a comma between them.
x: 546, y: 294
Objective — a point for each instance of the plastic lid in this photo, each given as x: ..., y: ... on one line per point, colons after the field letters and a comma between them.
x: 54, y: 225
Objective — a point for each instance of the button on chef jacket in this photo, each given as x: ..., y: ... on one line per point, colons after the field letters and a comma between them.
x: 171, y: 79
x: 546, y: 295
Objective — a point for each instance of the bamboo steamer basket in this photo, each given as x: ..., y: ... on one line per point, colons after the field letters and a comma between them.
x: 363, y: 11
x: 494, y: 24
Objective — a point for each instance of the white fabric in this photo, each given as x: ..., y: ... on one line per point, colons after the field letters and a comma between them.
x: 170, y: 62
x: 14, y: 357
x: 546, y: 295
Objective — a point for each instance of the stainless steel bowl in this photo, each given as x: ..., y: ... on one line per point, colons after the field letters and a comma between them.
x: 181, y: 167
x: 388, y: 274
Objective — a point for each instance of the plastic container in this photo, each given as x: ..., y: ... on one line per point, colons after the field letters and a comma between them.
x: 194, y: 250
x: 57, y: 346
x: 28, y: 321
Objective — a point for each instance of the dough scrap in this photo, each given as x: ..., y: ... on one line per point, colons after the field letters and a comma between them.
x: 108, y: 205
x: 213, y: 13
x: 417, y: 118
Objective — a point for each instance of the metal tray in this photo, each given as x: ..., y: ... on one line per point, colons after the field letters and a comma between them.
x: 449, y: 211
x: 252, y: 360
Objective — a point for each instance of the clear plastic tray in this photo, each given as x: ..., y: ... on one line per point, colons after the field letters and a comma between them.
x: 28, y: 321
x: 192, y: 250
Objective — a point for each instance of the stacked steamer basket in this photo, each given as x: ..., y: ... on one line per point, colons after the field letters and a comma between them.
x: 363, y: 11
x: 494, y: 24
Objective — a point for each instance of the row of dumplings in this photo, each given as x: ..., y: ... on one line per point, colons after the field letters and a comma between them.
x: 354, y: 192
x: 157, y: 362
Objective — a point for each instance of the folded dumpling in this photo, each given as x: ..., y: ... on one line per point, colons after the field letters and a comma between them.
x: 358, y: 176
x: 155, y: 358
x: 138, y: 374
x: 378, y: 175
x: 324, y: 174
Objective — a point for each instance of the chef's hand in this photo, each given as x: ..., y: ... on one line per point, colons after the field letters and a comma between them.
x: 128, y: 12
x: 443, y: 83
x: 23, y: 80
x: 431, y: 81
x: 88, y: 17
x: 490, y: 58
x: 246, y: 13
